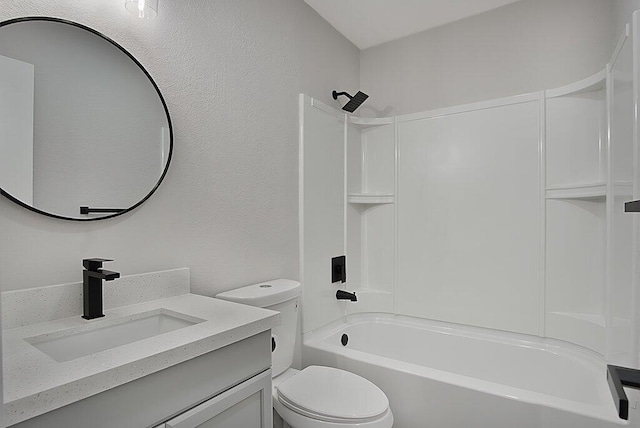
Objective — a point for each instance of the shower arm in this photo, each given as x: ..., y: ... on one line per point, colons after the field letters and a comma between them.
x: 337, y: 94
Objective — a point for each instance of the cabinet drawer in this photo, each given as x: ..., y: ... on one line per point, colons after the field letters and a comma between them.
x: 247, y: 405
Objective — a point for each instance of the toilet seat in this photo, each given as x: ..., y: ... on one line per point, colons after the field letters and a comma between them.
x: 334, y: 396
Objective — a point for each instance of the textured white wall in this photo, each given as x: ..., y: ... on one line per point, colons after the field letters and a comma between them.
x: 528, y: 46
x: 230, y: 71
x: 622, y: 13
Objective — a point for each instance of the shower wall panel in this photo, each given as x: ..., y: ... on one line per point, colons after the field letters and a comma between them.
x: 321, y: 211
x: 622, y: 342
x: 469, y: 218
x: 353, y: 212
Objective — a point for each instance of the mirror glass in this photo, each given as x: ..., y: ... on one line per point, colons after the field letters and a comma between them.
x: 82, y: 124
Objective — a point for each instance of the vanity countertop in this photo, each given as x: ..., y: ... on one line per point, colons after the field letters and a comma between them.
x: 35, y: 384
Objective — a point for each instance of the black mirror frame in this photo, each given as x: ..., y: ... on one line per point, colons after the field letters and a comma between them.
x: 164, y: 105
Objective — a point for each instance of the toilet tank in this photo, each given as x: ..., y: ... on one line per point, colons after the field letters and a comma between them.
x: 282, y: 295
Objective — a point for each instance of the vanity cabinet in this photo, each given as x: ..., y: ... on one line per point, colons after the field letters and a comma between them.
x: 228, y: 387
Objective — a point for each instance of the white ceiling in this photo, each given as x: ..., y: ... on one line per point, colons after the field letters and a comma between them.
x: 372, y: 22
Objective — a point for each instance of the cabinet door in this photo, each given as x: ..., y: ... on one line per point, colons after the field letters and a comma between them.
x: 247, y: 405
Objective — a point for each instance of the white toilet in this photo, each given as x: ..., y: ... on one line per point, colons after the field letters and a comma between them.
x: 315, y: 397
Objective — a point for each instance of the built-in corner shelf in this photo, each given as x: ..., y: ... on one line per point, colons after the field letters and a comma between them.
x: 369, y: 122
x: 370, y: 198
x: 594, y: 83
x: 588, y: 191
x: 578, y: 191
x: 594, y: 320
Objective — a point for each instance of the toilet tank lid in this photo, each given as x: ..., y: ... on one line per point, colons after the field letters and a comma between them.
x: 263, y: 294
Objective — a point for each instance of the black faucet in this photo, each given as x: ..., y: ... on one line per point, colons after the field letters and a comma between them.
x: 92, y: 277
x: 345, y: 295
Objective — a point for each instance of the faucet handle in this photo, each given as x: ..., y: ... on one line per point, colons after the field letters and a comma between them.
x: 94, y: 264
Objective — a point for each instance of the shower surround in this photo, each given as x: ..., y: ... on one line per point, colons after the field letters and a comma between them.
x: 505, y: 215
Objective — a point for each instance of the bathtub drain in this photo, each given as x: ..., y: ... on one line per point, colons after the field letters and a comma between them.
x: 344, y: 340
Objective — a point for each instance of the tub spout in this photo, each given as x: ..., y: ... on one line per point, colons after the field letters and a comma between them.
x: 345, y: 295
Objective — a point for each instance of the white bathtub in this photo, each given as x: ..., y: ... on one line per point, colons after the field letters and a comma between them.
x: 450, y: 376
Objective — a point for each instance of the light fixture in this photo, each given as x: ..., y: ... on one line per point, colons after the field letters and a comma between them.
x: 142, y: 8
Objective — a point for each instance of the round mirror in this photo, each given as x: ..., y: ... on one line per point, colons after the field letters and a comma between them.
x: 84, y: 131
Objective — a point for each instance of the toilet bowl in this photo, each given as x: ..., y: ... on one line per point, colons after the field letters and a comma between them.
x: 321, y: 397
x: 317, y: 396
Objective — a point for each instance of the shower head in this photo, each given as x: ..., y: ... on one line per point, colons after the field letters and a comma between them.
x: 354, y: 101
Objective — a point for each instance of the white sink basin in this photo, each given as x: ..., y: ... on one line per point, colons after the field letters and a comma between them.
x: 66, y: 345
